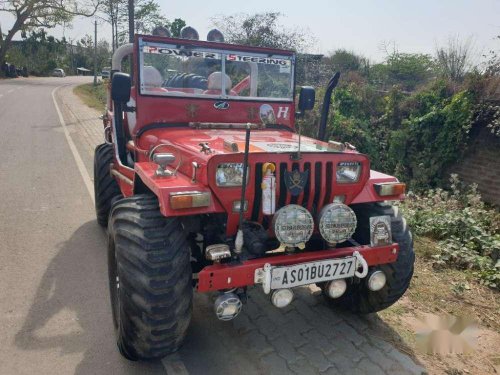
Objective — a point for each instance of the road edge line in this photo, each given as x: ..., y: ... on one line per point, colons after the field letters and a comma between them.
x: 174, y: 365
x: 76, y: 155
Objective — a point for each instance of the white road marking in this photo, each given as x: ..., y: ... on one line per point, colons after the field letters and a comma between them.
x: 8, y: 92
x: 174, y: 365
x: 78, y: 159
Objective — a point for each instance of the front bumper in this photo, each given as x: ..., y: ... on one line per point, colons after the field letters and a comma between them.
x: 236, y: 275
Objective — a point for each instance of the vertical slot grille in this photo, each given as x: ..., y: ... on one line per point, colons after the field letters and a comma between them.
x: 295, y: 198
x: 283, y: 189
x: 305, y: 197
x: 329, y: 183
x: 257, y: 203
x: 318, y: 176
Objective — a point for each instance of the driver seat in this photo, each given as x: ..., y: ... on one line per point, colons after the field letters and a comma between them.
x: 215, y: 82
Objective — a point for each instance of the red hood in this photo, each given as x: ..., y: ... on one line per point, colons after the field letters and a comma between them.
x: 222, y: 141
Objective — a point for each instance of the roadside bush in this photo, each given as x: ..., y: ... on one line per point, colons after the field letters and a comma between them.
x: 468, y: 233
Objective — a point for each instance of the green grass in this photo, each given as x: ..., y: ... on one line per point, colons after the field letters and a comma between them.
x: 92, y: 96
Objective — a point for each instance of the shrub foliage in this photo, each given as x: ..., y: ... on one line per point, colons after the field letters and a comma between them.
x: 468, y: 233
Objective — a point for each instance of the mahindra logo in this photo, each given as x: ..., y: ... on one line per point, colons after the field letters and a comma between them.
x: 221, y: 105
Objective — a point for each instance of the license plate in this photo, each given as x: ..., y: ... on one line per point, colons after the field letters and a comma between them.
x: 313, y: 272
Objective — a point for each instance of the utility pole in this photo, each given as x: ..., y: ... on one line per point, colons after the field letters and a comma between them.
x: 131, y: 21
x: 95, y: 53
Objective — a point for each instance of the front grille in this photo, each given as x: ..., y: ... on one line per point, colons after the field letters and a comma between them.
x: 317, y: 191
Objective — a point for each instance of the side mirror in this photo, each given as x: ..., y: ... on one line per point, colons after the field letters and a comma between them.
x: 307, y: 97
x: 120, y: 87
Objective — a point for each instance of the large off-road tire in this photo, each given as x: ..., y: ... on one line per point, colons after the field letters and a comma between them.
x: 149, y: 279
x: 358, y: 298
x: 106, y: 189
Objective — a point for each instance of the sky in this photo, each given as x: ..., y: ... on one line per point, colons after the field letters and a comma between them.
x: 362, y: 26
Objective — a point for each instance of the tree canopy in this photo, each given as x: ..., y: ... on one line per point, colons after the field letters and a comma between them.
x: 32, y: 14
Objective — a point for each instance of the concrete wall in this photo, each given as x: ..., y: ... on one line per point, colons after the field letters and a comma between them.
x: 481, y: 165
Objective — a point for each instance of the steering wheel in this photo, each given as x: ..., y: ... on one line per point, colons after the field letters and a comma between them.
x: 242, y: 85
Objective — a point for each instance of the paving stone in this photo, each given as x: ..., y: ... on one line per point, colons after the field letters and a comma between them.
x: 332, y: 371
x: 359, y: 323
x: 242, y: 323
x: 253, y: 310
x: 344, y: 364
x: 286, y: 350
x: 377, y: 356
x: 319, y: 341
x: 302, y: 367
x: 257, y: 343
x: 347, y: 332
x: 347, y: 348
x: 293, y: 336
x: 369, y: 367
x: 274, y: 365
x: 406, y: 362
x: 298, y: 322
x: 267, y: 328
x: 305, y: 310
x: 381, y: 344
x: 315, y: 357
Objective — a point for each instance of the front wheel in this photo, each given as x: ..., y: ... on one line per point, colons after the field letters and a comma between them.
x: 149, y: 279
x: 358, y: 298
x: 106, y: 189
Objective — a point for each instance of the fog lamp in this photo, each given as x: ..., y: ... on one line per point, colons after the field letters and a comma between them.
x: 227, y: 306
x: 336, y: 288
x: 282, y: 297
x: 293, y: 225
x: 376, y: 281
x: 337, y: 222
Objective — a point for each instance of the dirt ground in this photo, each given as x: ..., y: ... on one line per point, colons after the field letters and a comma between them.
x: 441, y: 293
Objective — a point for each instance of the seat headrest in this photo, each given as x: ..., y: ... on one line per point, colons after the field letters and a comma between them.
x: 215, y: 81
x: 151, y: 77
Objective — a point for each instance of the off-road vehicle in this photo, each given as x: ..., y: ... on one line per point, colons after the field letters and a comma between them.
x: 205, y: 184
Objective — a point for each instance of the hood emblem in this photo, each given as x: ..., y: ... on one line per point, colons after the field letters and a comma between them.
x: 295, y: 181
x: 221, y: 105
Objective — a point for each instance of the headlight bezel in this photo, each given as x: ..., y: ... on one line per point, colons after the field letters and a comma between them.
x: 350, y: 167
x: 219, y: 172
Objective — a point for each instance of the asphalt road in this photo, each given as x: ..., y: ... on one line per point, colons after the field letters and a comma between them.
x: 54, y: 306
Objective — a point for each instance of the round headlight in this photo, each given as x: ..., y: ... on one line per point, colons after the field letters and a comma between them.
x: 293, y: 225
x: 337, y: 222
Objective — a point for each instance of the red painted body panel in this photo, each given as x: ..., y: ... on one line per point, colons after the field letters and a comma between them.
x: 227, y: 276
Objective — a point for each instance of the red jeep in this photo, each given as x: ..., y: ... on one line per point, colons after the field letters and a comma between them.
x: 205, y: 183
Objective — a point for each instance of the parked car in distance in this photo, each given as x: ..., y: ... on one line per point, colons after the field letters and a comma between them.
x: 106, y: 72
x: 58, y: 73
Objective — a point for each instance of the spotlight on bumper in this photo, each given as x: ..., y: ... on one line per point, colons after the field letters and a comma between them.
x: 282, y: 297
x: 336, y: 288
x: 227, y: 306
x: 376, y: 281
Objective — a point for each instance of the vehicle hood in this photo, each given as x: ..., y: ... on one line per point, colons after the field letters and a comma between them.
x: 233, y: 141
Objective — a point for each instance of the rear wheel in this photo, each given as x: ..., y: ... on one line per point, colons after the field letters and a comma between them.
x: 149, y: 278
x: 106, y: 188
x: 358, y: 298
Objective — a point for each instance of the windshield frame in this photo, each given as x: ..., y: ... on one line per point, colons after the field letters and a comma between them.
x: 224, y: 53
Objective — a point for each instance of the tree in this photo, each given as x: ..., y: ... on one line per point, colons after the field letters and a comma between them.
x: 111, y: 11
x: 148, y: 16
x: 454, y: 60
x: 176, y: 27
x: 30, y: 14
x: 409, y: 69
x: 263, y: 30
